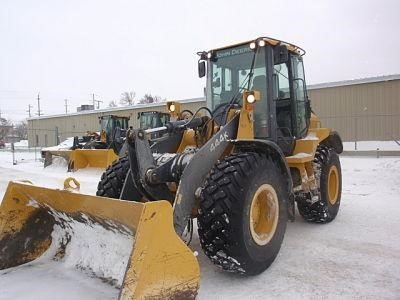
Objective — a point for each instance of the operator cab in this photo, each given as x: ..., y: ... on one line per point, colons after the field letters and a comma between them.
x: 152, y: 119
x: 272, y: 67
x: 113, y: 126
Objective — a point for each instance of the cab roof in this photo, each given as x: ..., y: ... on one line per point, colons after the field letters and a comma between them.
x: 271, y: 41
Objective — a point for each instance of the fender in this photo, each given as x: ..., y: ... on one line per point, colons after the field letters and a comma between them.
x: 334, y: 141
x: 273, y: 151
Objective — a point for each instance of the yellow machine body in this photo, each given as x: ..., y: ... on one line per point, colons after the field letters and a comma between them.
x: 91, y: 158
x: 83, y: 158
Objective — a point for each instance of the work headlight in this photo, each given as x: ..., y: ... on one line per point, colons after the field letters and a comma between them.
x: 251, y: 98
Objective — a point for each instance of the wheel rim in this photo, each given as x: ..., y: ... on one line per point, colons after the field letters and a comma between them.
x: 333, y: 185
x: 264, y: 214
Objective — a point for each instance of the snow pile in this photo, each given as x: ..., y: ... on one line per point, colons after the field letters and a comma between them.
x: 21, y: 144
x: 57, y: 163
x: 300, y: 155
x: 100, y: 250
x: 66, y: 144
x: 51, y: 280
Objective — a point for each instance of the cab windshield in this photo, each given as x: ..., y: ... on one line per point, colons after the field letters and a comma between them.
x: 233, y: 70
x: 108, y: 124
x: 153, y: 120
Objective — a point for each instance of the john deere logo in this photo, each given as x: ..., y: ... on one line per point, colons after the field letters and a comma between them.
x: 232, y: 52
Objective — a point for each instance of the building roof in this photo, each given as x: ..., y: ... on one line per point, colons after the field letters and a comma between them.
x: 353, y: 82
x: 111, y: 110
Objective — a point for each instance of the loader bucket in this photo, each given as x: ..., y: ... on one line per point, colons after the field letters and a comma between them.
x: 38, y: 223
x: 95, y: 158
x: 49, y: 155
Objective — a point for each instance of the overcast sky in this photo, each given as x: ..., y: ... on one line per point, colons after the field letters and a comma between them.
x: 72, y: 49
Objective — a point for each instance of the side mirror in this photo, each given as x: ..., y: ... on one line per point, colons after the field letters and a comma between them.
x: 281, y: 54
x: 202, y: 68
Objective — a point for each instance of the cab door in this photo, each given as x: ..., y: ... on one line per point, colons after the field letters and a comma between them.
x: 300, y: 103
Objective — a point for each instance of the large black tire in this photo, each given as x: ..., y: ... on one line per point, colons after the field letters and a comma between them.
x: 243, y: 213
x: 328, y: 177
x: 112, y: 180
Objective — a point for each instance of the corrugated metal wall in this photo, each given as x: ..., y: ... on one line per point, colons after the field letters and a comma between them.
x: 360, y: 112
x: 43, y: 131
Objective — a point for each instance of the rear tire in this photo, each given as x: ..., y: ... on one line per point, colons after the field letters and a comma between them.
x: 112, y: 180
x: 328, y: 177
x: 243, y: 213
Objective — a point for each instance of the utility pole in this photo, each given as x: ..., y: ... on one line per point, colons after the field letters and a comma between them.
x: 94, y: 102
x: 66, y: 106
x: 29, y: 110
x: 38, y: 104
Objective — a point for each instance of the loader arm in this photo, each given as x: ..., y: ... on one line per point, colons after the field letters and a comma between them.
x: 196, y: 171
x: 187, y: 169
x: 141, y: 162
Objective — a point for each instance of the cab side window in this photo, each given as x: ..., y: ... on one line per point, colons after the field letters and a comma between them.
x: 282, y: 100
x: 299, y: 96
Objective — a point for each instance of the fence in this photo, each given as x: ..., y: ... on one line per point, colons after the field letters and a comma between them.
x: 43, y: 137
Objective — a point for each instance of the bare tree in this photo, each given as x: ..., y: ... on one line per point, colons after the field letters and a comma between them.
x: 21, y: 130
x: 127, y: 98
x: 113, y: 103
x: 6, y: 127
x: 148, y: 98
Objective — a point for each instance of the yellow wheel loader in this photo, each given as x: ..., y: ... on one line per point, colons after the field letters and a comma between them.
x: 239, y: 167
x: 101, y: 150
x: 108, y: 145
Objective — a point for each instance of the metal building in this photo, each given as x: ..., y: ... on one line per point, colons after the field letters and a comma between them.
x: 360, y: 110
x: 43, y: 131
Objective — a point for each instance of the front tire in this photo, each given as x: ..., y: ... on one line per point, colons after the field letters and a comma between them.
x: 112, y: 180
x: 243, y: 213
x: 327, y: 172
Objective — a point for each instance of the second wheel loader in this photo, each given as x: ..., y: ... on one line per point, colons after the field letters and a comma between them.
x: 81, y: 154
x: 238, y: 165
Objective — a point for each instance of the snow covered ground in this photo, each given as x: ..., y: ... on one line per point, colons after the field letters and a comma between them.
x: 355, y: 256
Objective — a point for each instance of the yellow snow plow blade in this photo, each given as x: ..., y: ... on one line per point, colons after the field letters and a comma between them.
x: 38, y: 223
x: 94, y: 158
